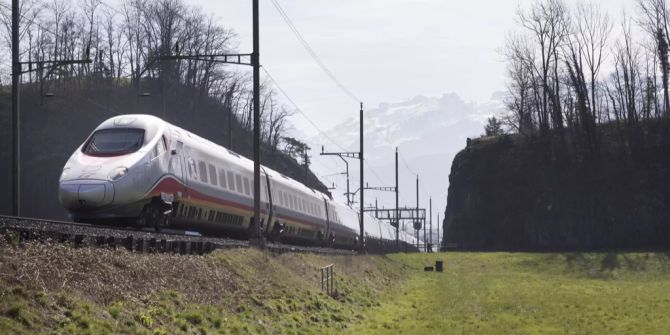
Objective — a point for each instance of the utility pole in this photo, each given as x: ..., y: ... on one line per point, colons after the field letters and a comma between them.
x: 51, y: 65
x: 16, y: 76
x: 255, y: 60
x: 397, y: 217
x: 355, y: 155
x: 438, y: 232
x: 418, y: 223
x: 425, y: 241
x: 431, y: 222
x: 360, y: 155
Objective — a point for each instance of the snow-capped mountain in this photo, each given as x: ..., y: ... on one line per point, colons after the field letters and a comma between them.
x: 419, y: 126
x: 428, y: 132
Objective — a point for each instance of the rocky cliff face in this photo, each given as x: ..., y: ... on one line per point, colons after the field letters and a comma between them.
x: 513, y: 193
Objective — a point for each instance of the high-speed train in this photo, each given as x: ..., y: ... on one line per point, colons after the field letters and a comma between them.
x: 141, y: 170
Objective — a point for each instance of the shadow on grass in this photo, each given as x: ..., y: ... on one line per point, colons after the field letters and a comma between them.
x: 599, y: 265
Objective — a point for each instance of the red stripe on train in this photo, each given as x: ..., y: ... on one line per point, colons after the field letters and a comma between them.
x: 170, y: 185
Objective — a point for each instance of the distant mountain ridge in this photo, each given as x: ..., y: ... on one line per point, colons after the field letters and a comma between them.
x: 414, y: 121
x: 429, y: 131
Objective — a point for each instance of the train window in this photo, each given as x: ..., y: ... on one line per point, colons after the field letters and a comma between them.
x: 114, y: 142
x: 212, y: 175
x: 231, y: 181
x: 246, y: 187
x: 203, y: 171
x: 222, y: 178
x: 192, y: 171
x: 238, y: 182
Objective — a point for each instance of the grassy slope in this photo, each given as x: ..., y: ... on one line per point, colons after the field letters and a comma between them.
x: 530, y: 294
x: 55, y: 289
x: 52, y: 288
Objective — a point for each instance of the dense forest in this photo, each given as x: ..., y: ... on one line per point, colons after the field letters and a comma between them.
x: 132, y: 42
x: 125, y: 63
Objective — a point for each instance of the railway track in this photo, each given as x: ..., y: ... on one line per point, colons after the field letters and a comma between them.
x: 131, y: 239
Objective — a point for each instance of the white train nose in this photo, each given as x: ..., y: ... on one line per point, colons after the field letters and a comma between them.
x: 77, y: 195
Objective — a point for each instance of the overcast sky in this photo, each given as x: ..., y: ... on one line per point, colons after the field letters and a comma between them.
x: 382, y: 50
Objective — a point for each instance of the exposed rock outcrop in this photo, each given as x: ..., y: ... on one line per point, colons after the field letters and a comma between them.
x: 516, y: 193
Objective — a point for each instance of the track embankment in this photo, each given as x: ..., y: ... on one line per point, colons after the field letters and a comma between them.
x: 50, y: 288
x: 132, y: 239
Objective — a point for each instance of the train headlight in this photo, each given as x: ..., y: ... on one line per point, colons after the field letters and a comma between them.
x: 118, y: 173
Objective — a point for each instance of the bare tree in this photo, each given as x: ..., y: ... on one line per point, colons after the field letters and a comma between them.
x: 519, y: 100
x: 592, y: 30
x: 654, y: 20
x: 547, y: 23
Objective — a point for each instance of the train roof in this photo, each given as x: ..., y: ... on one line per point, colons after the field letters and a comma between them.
x: 230, y: 155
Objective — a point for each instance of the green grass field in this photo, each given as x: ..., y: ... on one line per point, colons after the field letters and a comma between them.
x: 501, y: 293
x: 54, y: 289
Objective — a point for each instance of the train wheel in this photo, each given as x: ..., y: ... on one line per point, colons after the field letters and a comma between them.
x: 276, y: 232
x: 153, y: 217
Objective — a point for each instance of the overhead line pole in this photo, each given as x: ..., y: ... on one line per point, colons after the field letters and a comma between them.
x: 360, y: 155
x: 431, y: 222
x: 16, y: 103
x: 397, y: 217
x: 418, y: 227
x: 425, y: 241
x: 16, y: 75
x: 255, y: 60
x: 356, y: 155
x: 439, y: 243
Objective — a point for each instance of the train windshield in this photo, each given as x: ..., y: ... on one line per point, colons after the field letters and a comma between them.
x: 114, y: 142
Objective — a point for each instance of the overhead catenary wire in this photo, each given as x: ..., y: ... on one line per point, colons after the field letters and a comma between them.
x: 329, y: 73
x: 421, y: 184
x: 300, y: 110
x: 311, y: 51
